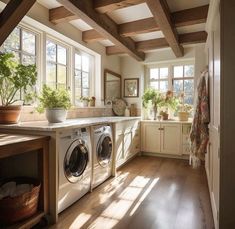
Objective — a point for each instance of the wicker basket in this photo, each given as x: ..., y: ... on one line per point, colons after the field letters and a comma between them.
x: 21, y: 207
x: 183, y: 116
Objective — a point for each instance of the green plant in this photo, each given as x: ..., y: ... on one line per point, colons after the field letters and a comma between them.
x: 53, y: 98
x: 170, y: 101
x: 14, y: 77
x: 83, y: 98
x: 153, y: 96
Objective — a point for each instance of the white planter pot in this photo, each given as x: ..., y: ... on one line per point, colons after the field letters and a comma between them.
x: 55, y: 115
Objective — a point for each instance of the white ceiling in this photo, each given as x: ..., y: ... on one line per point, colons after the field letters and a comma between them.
x: 132, y: 13
x: 148, y: 36
x: 106, y: 43
x: 81, y: 25
x: 49, y: 3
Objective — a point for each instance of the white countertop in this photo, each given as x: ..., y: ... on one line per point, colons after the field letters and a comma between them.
x: 168, y: 121
x: 69, y: 123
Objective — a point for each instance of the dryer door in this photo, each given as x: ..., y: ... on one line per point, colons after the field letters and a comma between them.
x: 104, y: 150
x: 76, y: 160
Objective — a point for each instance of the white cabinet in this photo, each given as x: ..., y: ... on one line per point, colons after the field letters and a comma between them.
x: 170, y: 138
x: 150, y: 137
x: 126, y: 141
x: 164, y: 137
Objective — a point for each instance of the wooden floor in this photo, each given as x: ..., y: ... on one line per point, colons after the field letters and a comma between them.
x: 148, y: 193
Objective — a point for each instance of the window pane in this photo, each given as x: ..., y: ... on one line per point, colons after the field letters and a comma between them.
x: 28, y: 42
x: 188, y: 86
x: 61, y: 55
x: 26, y: 60
x: 85, y: 92
x: 13, y: 40
x: 188, y: 70
x: 153, y: 73
x: 51, y: 74
x: 188, y: 99
x: 51, y: 51
x: 78, y: 79
x: 163, y: 86
x: 163, y: 73
x: 17, y: 56
x: 78, y: 63
x: 154, y: 85
x: 178, y: 71
x: 85, y: 63
x: 78, y: 94
x: 85, y: 80
x: 61, y: 76
x: 178, y: 86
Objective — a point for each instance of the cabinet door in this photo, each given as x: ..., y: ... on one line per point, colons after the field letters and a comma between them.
x: 127, y: 144
x: 170, y: 138
x: 119, y: 148
x: 151, y: 137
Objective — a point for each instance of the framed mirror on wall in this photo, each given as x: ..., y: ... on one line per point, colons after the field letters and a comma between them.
x: 112, y: 85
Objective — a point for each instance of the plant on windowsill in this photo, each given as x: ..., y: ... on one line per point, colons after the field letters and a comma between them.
x: 152, y: 98
x: 92, y: 101
x: 184, y: 109
x: 85, y: 101
x: 14, y: 77
x: 56, y: 102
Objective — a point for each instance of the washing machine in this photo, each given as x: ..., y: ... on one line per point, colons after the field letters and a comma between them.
x: 75, y: 166
x: 102, y: 154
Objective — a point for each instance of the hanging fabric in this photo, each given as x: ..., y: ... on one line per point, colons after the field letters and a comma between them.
x: 199, y: 135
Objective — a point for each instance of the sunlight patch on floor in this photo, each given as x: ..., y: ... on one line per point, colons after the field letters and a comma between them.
x: 103, y: 223
x: 80, y: 221
x: 148, y: 190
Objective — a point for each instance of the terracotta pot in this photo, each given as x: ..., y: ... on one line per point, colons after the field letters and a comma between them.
x: 10, y: 114
x: 165, y: 116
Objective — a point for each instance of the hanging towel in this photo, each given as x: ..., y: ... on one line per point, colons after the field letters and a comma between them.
x: 199, y: 135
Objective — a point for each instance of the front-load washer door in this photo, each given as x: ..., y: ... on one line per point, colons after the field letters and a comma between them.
x: 104, y: 150
x: 76, y: 160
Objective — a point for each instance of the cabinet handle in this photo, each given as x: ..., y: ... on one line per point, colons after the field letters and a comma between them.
x: 161, y: 128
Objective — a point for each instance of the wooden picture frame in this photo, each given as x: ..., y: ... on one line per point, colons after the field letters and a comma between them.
x: 112, y: 84
x: 131, y: 88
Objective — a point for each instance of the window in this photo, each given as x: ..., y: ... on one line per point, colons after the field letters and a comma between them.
x: 183, y: 81
x: 56, y: 67
x: 82, y: 76
x: 22, y: 43
x: 159, y: 78
x: 178, y: 78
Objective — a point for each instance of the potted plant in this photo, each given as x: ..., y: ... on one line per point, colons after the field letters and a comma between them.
x: 169, y: 101
x: 154, y: 97
x: 85, y: 101
x: 184, y: 109
x: 92, y: 101
x: 56, y: 102
x: 14, y: 77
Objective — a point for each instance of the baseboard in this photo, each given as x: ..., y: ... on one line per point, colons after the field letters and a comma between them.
x: 183, y: 157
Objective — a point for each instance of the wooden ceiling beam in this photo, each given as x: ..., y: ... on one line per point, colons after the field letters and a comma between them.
x: 184, y: 39
x: 11, y: 15
x: 187, y: 17
x: 180, y: 18
x: 162, y: 16
x: 105, y: 6
x: 60, y: 15
x: 103, y: 24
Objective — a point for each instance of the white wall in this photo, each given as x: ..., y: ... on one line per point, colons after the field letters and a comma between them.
x: 130, y: 68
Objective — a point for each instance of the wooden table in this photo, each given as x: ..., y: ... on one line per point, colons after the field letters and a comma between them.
x: 11, y: 145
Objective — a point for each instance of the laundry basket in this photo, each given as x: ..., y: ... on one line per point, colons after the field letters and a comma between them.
x: 13, y: 209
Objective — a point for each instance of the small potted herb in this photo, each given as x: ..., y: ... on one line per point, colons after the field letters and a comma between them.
x: 184, y: 109
x: 14, y: 78
x: 56, y: 102
x: 92, y: 101
x: 85, y: 101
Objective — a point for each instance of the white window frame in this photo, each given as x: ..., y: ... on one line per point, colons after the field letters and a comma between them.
x: 170, y: 66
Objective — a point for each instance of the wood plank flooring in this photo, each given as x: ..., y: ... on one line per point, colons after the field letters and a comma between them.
x: 148, y: 193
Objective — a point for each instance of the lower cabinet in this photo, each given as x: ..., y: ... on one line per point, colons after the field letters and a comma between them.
x: 126, y: 140
x: 164, y: 137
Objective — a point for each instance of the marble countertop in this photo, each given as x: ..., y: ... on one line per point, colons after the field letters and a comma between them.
x: 168, y: 121
x: 68, y: 124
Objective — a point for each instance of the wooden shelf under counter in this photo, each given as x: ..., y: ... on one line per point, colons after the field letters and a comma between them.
x: 16, y: 144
